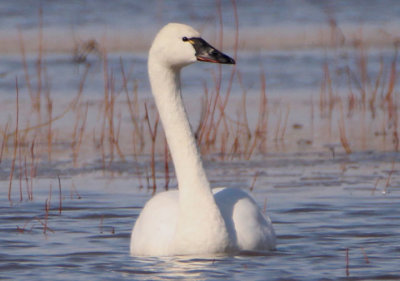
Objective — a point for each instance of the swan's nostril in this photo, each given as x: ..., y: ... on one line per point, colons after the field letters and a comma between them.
x: 214, y: 53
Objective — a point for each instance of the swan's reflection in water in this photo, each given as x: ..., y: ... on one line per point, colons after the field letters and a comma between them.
x: 196, y: 267
x: 184, y: 267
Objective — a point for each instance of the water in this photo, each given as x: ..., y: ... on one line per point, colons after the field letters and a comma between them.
x: 155, y: 12
x: 321, y: 206
x: 317, y: 214
x: 281, y: 38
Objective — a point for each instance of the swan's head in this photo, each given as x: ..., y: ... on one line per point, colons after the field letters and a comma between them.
x: 177, y: 45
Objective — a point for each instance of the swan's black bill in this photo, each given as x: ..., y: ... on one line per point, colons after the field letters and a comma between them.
x: 207, y: 53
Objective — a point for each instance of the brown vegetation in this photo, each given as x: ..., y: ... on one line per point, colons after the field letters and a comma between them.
x: 366, y: 116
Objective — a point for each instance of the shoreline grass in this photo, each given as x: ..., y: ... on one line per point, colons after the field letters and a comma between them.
x: 354, y: 108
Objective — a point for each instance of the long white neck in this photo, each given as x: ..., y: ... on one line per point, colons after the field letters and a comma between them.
x: 200, y: 226
x: 165, y: 84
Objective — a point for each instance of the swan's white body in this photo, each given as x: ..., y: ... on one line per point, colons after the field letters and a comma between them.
x: 194, y: 219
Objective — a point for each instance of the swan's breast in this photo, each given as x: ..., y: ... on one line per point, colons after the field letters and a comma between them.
x: 155, y: 227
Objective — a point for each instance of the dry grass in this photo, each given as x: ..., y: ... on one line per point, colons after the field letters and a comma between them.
x: 16, y: 141
x: 370, y: 98
x: 153, y: 130
x: 127, y: 126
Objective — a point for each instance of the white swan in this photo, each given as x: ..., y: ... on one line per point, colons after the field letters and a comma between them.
x: 194, y: 219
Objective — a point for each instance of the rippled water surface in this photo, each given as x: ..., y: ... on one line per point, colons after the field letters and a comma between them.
x: 336, y: 216
x: 321, y: 208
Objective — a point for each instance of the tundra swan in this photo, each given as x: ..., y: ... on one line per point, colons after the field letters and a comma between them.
x: 195, y: 219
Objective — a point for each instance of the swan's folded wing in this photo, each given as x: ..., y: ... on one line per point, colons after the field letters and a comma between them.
x: 249, y: 228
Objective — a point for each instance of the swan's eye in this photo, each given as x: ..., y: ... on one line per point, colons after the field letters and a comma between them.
x: 185, y: 39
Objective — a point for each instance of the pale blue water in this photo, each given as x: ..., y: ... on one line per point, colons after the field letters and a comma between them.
x: 320, y: 206
x: 154, y: 13
x: 317, y: 215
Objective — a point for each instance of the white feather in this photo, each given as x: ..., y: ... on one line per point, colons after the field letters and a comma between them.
x: 194, y: 219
